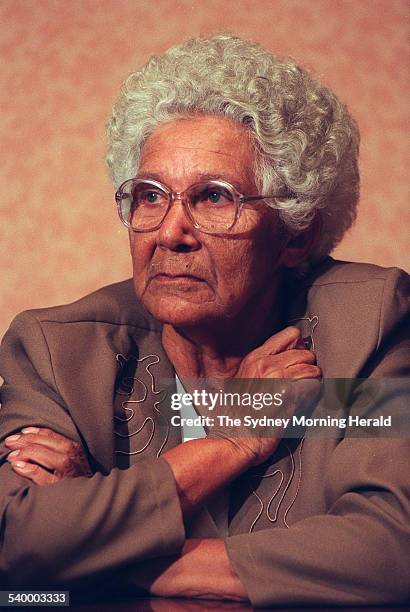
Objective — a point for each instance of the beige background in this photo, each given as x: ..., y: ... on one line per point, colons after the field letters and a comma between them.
x: 62, y: 65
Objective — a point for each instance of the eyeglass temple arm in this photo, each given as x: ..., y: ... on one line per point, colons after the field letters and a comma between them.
x: 260, y: 197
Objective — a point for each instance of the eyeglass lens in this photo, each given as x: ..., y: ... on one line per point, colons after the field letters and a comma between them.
x: 212, y: 206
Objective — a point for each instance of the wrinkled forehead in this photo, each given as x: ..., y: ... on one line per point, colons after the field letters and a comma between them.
x: 189, y: 149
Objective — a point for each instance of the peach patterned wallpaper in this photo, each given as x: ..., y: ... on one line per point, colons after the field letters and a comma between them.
x: 62, y: 65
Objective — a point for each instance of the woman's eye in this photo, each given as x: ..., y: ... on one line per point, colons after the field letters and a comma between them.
x: 151, y: 196
x: 148, y: 197
x: 214, y: 196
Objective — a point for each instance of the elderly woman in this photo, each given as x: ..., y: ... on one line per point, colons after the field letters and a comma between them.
x: 236, y: 175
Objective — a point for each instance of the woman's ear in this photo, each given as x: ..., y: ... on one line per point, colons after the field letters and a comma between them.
x: 299, y: 246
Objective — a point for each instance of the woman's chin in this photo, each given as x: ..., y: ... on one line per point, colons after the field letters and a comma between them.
x: 182, y: 313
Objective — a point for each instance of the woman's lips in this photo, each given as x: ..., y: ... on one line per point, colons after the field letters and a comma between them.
x: 174, y: 278
x: 177, y: 283
x: 179, y: 270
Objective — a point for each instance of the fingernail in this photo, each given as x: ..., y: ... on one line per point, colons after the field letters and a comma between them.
x: 13, y: 438
x: 21, y: 464
x: 30, y: 430
x: 13, y: 454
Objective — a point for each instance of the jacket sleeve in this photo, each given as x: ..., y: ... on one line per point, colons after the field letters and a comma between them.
x: 76, y: 530
x: 358, y: 552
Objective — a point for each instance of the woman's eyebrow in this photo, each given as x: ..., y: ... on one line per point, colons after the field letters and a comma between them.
x: 215, y: 176
x: 198, y: 177
x: 151, y: 175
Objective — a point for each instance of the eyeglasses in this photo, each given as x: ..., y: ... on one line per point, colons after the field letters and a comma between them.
x: 212, y: 206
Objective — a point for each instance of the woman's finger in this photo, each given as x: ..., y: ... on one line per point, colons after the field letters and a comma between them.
x: 283, y: 340
x: 35, y: 473
x: 46, y: 437
x: 276, y: 366
x: 292, y: 357
x: 304, y: 370
x: 39, y: 454
x: 66, y: 465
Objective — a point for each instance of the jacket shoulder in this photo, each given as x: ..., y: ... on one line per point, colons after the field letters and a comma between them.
x: 367, y: 290
x: 115, y: 304
x: 360, y: 310
x: 333, y: 271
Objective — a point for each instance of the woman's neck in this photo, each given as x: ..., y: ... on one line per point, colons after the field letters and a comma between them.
x: 216, y: 350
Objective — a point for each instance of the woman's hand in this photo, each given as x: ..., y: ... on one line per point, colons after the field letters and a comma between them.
x: 284, y: 358
x: 283, y: 355
x: 45, y: 457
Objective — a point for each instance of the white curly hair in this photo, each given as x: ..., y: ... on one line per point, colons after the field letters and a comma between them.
x: 306, y: 142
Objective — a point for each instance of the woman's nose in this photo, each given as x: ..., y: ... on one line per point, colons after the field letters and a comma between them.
x: 176, y: 232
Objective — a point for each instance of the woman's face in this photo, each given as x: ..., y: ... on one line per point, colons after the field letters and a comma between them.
x: 188, y: 278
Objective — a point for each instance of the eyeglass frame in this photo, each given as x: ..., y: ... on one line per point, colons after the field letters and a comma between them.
x: 239, y: 201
